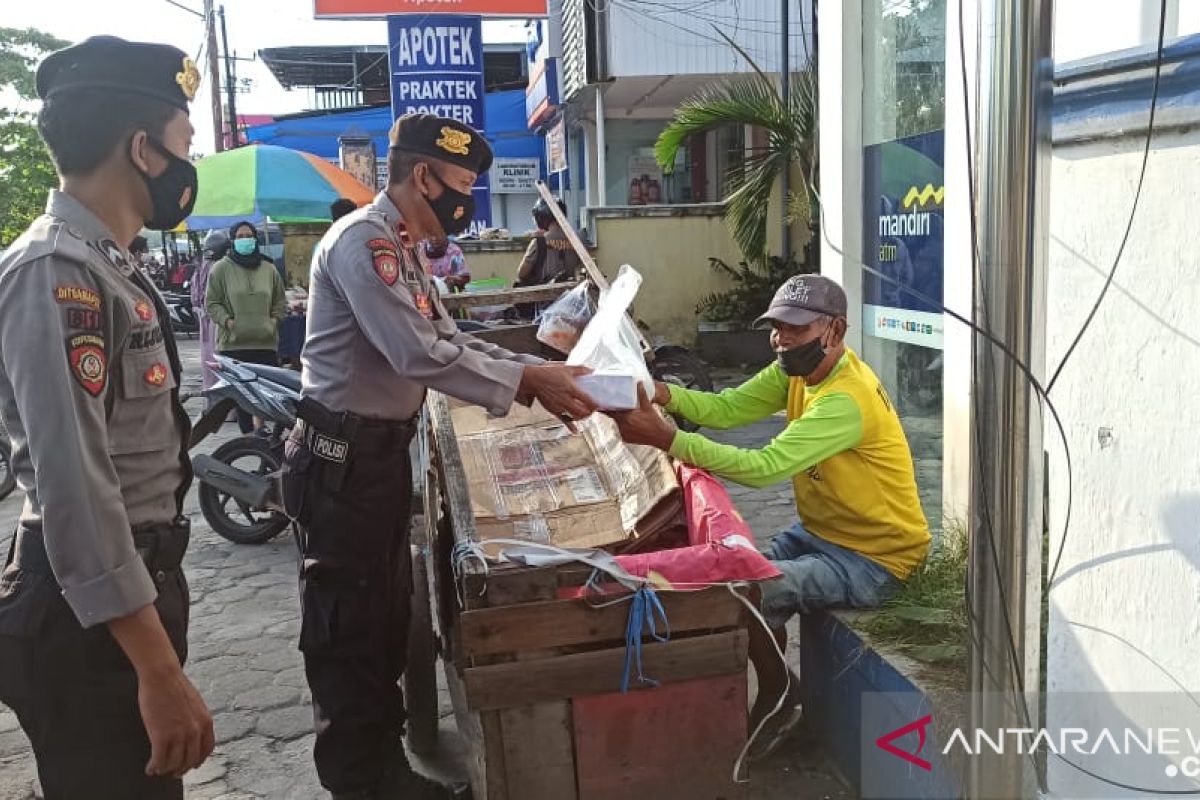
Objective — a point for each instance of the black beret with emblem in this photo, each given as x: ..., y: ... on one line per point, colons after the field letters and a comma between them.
x: 107, y: 64
x: 445, y: 139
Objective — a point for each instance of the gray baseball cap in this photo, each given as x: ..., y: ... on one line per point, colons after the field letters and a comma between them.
x: 803, y: 299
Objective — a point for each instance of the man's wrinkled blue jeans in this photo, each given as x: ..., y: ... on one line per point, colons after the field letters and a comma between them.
x: 818, y: 574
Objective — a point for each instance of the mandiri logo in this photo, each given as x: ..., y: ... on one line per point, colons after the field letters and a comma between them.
x: 885, y: 742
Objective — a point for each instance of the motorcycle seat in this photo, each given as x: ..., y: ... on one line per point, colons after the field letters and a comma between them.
x: 289, y: 378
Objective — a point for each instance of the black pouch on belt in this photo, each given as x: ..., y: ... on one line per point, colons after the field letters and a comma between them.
x: 163, y: 547
x: 329, y: 436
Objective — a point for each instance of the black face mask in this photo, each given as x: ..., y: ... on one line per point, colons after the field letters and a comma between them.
x: 803, y: 360
x: 173, y: 193
x: 436, y: 250
x: 453, y: 209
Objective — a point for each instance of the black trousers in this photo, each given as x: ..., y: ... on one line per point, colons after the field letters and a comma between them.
x: 355, y: 586
x: 75, y: 692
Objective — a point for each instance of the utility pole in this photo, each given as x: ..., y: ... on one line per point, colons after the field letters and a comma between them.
x: 785, y: 86
x: 1004, y: 571
x: 230, y: 87
x: 214, y: 74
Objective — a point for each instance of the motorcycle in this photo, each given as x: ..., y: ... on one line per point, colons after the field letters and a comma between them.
x: 183, y: 316
x: 8, y: 479
x: 239, y: 482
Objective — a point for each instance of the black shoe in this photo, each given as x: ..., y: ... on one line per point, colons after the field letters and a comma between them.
x: 402, y: 782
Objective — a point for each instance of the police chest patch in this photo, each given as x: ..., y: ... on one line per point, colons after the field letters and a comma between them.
x: 78, y: 295
x: 85, y: 353
x: 385, y: 259
x: 144, y: 311
x: 83, y: 319
x: 156, y: 375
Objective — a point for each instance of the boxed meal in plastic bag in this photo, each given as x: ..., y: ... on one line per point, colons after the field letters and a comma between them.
x: 610, y: 344
x: 564, y: 320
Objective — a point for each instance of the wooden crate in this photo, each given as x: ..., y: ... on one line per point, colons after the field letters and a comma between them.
x: 535, y: 677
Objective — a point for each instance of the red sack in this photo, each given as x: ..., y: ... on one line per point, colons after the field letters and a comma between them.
x: 713, y: 556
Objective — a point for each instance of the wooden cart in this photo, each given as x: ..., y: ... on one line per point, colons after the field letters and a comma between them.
x: 535, y: 679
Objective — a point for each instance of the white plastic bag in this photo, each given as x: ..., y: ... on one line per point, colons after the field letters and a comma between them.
x: 610, y: 344
x: 563, y: 322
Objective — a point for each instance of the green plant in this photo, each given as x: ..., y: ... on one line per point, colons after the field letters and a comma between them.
x: 927, y: 619
x: 790, y: 126
x: 754, y: 285
x: 26, y: 172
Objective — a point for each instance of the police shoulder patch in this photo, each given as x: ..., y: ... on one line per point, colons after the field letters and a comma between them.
x: 144, y: 311
x: 78, y: 295
x: 89, y: 365
x: 385, y: 259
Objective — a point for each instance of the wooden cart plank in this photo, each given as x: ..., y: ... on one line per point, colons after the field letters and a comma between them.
x: 561, y: 623
x: 677, y: 742
x: 493, y: 755
x: 470, y: 728
x: 557, y: 678
x: 539, y: 756
x: 502, y: 297
x: 450, y: 470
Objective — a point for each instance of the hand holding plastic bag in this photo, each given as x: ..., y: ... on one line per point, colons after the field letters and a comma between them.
x: 610, y: 344
x: 564, y: 321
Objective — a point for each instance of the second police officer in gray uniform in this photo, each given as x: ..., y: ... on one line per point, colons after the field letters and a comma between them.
x: 93, y: 603
x: 378, y: 337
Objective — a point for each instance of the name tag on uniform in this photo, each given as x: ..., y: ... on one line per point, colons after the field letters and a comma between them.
x: 330, y: 449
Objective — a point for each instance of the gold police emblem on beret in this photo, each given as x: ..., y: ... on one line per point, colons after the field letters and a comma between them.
x: 454, y: 141
x: 189, y: 78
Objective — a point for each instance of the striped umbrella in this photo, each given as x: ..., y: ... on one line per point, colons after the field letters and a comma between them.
x: 263, y: 181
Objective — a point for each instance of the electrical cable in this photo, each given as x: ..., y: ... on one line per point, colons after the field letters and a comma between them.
x: 182, y: 7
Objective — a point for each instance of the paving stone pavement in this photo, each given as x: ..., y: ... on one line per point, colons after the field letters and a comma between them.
x: 243, y: 659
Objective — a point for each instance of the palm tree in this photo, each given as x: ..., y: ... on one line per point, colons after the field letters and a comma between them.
x: 752, y: 100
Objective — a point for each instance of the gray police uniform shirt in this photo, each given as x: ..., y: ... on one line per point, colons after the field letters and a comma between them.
x: 85, y: 390
x: 378, y: 334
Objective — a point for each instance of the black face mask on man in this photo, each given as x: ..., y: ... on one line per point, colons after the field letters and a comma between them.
x: 803, y: 360
x: 172, y: 193
x: 453, y: 209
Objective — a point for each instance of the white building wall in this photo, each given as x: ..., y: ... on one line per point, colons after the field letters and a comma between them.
x: 675, y: 37
x: 1130, y: 398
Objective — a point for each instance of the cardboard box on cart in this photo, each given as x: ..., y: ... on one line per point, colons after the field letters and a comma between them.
x: 531, y: 479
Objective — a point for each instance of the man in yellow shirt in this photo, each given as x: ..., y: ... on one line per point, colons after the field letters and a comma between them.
x: 861, y: 530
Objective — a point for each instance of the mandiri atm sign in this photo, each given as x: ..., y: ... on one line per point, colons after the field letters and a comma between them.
x: 342, y: 9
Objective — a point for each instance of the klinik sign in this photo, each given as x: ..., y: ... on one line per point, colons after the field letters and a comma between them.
x: 436, y: 64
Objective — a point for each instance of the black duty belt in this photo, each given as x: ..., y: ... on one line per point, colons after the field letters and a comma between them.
x: 334, y: 436
x: 161, y: 547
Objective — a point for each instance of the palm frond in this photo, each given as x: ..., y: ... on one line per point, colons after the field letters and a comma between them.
x: 745, y: 102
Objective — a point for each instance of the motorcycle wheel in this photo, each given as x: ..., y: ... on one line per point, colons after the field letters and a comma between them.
x: 8, y: 480
x: 228, y: 516
x: 680, y: 367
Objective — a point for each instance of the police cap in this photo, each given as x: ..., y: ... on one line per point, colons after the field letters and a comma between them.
x: 108, y: 64
x: 441, y: 138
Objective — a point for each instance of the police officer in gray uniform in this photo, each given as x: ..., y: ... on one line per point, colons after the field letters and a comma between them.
x: 378, y: 337
x: 93, y: 604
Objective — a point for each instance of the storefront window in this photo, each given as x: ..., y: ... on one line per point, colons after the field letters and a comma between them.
x: 904, y: 91
x: 702, y: 166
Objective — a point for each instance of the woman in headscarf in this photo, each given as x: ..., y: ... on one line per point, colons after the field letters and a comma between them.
x: 216, y: 245
x: 246, y: 301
